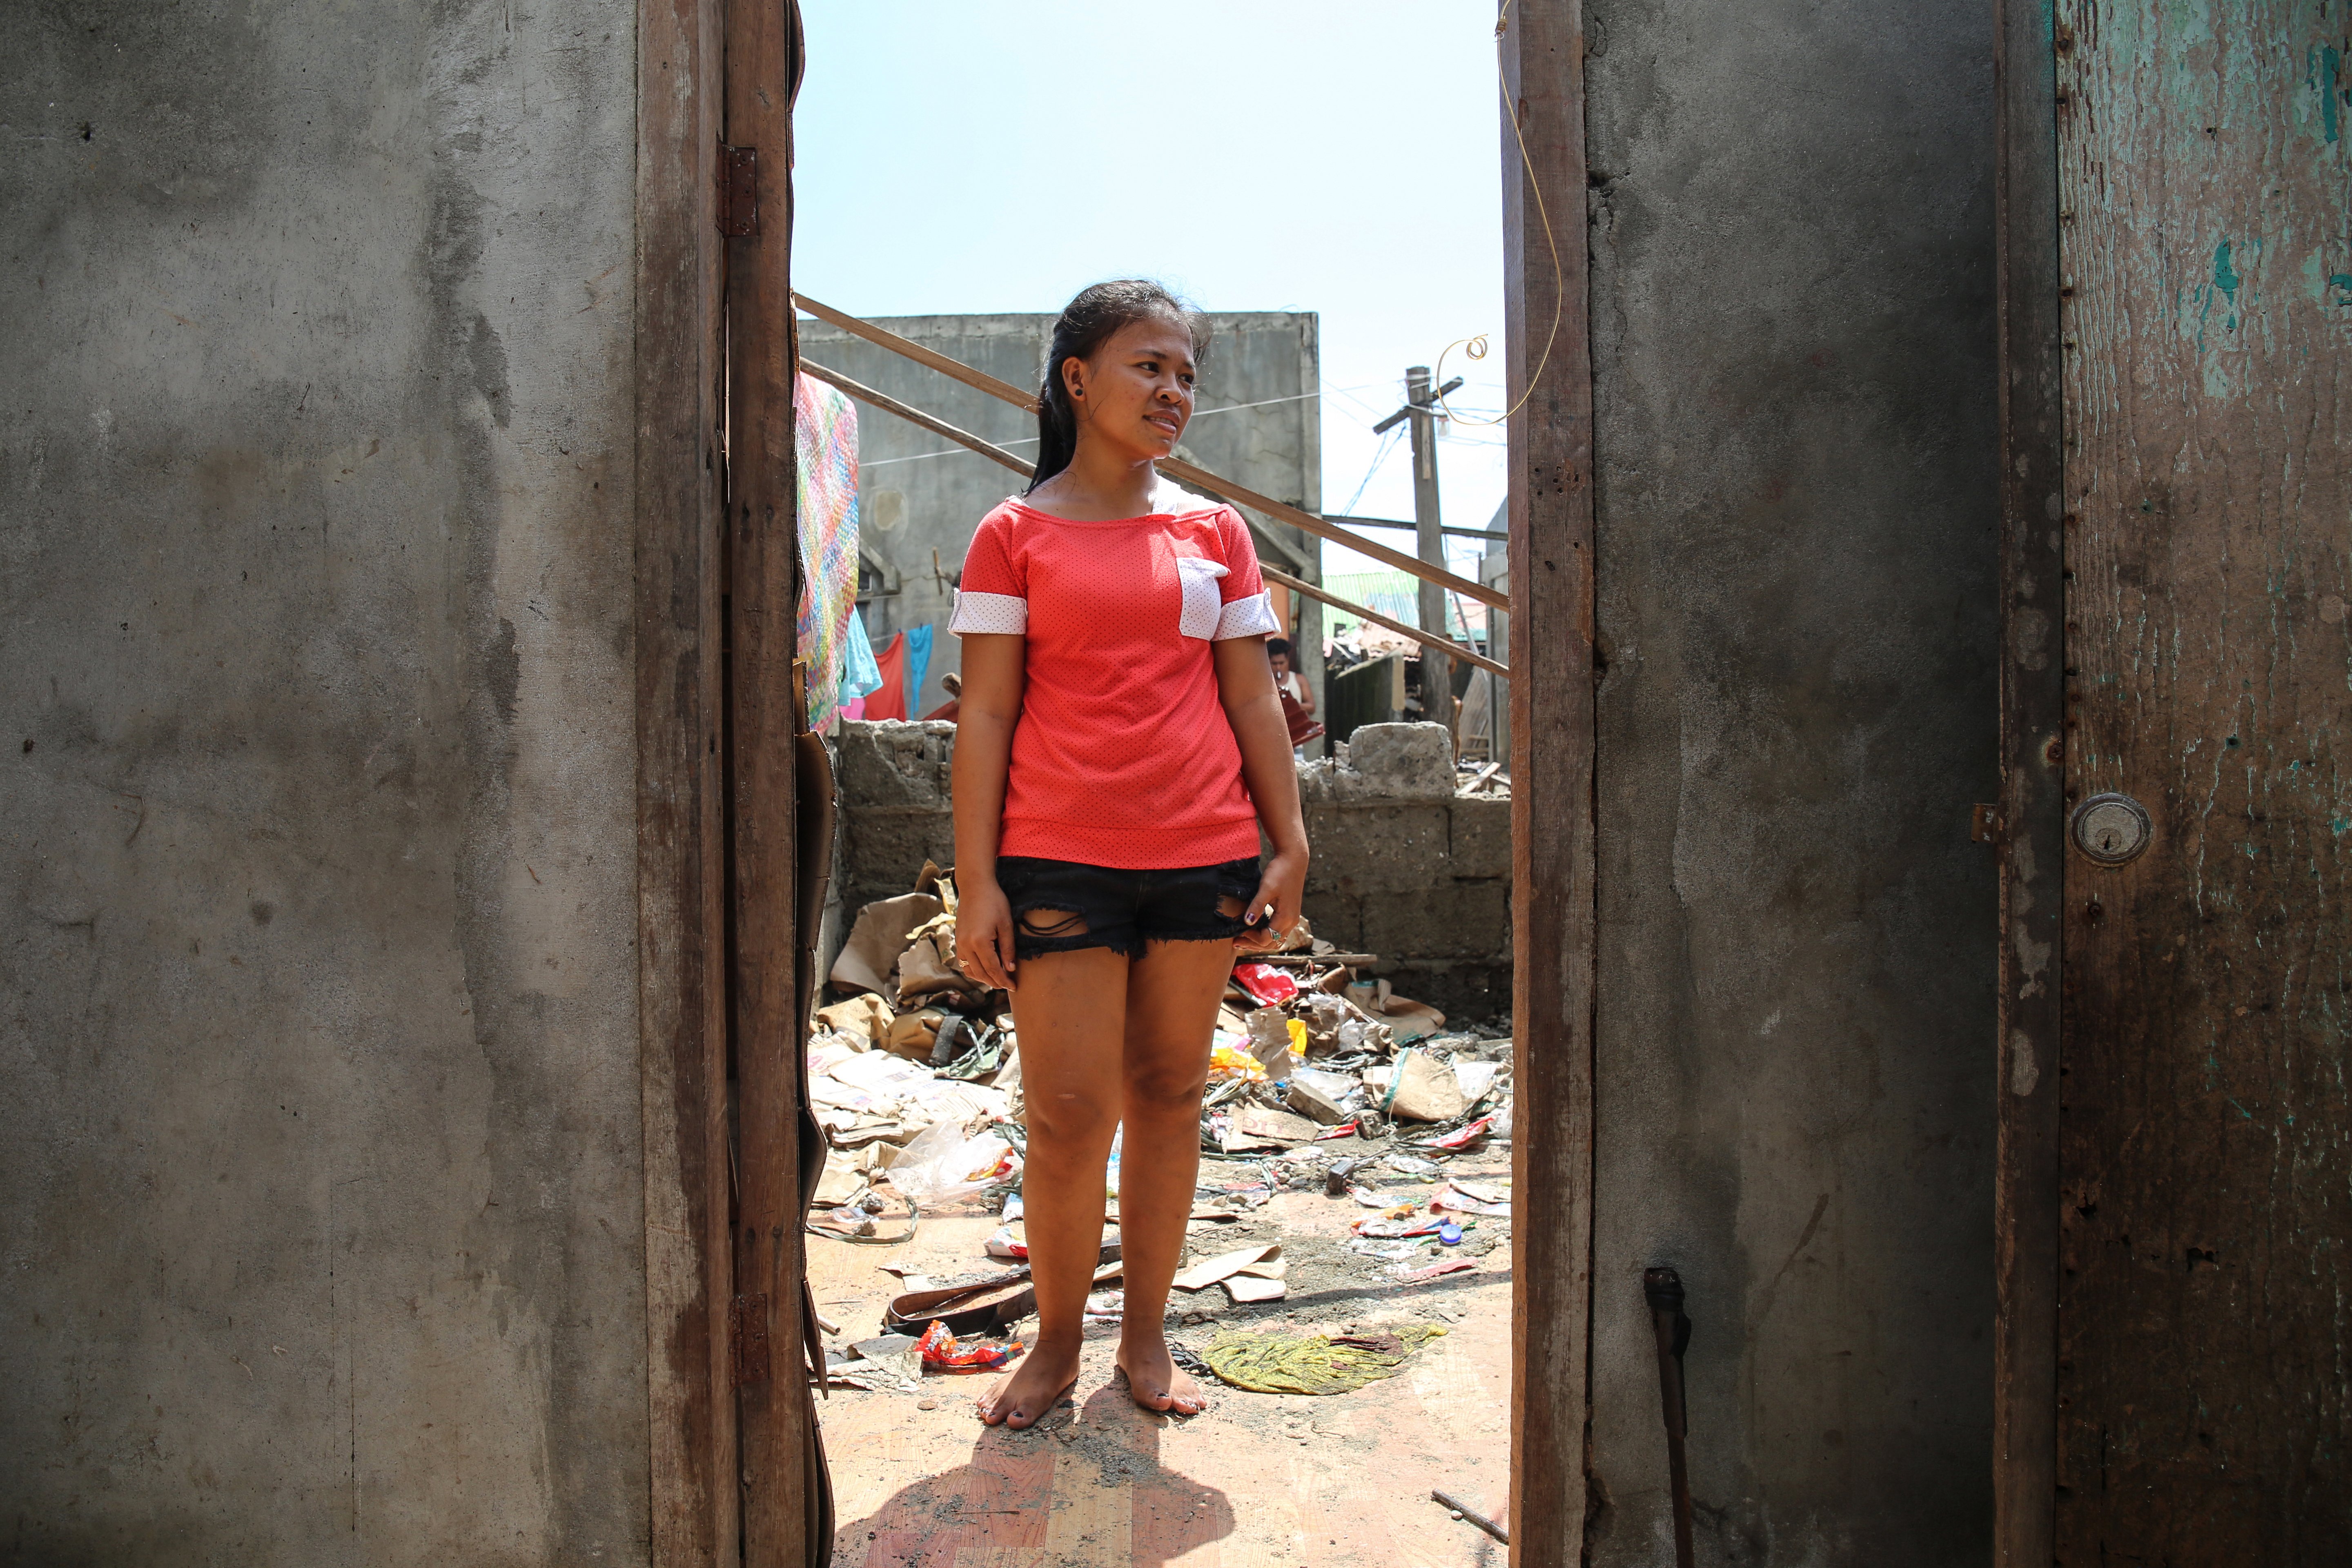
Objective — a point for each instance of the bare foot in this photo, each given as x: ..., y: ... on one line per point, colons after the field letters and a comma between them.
x: 1154, y: 1379
x: 1036, y: 1383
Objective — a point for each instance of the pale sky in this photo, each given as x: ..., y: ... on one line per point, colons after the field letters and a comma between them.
x: 1253, y: 154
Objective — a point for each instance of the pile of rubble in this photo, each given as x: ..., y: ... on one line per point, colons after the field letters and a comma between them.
x: 916, y: 1070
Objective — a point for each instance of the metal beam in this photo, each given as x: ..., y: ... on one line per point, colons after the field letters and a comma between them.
x: 1446, y: 646
x: 1175, y: 468
x: 937, y: 427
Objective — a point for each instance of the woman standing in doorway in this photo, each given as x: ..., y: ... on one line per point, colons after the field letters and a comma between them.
x: 1118, y: 748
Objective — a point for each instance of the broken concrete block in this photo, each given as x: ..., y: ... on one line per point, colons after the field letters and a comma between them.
x: 1403, y: 761
x: 1311, y: 1101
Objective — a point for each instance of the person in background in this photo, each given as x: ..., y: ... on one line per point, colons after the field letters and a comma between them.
x: 1286, y: 680
x: 1120, y: 746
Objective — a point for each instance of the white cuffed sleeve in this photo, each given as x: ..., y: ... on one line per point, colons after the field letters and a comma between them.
x: 989, y: 614
x: 1251, y: 616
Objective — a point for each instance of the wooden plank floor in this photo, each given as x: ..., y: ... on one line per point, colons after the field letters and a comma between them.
x: 1257, y: 1479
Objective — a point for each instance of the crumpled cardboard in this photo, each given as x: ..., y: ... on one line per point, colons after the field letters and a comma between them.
x: 871, y: 955
x: 927, y: 968
x: 914, y: 1034
x: 864, y: 1017
x: 1423, y: 1089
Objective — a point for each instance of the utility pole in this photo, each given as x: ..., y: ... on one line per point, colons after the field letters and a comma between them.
x: 1436, y: 670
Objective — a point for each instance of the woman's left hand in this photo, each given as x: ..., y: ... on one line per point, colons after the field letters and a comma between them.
x: 1281, y: 885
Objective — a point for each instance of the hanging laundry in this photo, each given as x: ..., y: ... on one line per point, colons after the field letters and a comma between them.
x: 859, y: 675
x: 888, y: 701
x: 824, y: 432
x: 918, y: 665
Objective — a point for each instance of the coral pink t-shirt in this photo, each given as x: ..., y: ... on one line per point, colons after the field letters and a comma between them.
x: 1123, y: 755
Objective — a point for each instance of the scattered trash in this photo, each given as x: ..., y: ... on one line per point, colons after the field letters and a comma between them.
x: 1267, y: 985
x: 943, y: 1165
x: 1423, y: 1089
x: 1313, y: 1363
x: 939, y: 1349
x: 1322, y: 1077
x: 1455, y: 1197
x: 1202, y: 1275
x: 1264, y: 1280
x: 1464, y: 1136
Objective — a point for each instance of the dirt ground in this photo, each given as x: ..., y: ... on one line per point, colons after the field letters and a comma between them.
x: 1256, y: 1478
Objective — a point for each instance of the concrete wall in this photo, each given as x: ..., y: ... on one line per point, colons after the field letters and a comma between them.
x: 321, y: 1193
x: 912, y: 505
x: 1402, y: 867
x: 1793, y: 333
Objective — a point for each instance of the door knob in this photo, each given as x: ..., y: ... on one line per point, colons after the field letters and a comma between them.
x: 2111, y: 829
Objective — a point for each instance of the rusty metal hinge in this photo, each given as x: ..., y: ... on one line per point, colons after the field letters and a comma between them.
x: 1984, y: 824
x: 739, y: 192
x: 747, y: 1338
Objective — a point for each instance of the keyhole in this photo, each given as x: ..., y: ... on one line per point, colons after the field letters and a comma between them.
x: 2107, y: 842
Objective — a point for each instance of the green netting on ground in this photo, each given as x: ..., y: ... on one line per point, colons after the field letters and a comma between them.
x: 1313, y: 1363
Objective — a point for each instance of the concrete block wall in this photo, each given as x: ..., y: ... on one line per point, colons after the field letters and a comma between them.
x: 1403, y: 868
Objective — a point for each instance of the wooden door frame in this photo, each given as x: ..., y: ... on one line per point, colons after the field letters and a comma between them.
x: 695, y: 1505
x: 2030, y: 834
x: 1548, y: 372
x: 698, y: 1263
x: 772, y: 1411
x: 715, y: 622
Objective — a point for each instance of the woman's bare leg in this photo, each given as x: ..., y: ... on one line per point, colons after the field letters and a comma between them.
x: 1069, y: 1010
x: 1172, y: 993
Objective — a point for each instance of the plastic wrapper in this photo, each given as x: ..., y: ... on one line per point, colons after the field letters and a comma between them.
x: 939, y: 1348
x: 943, y: 1166
x: 1232, y: 1061
x: 1267, y: 985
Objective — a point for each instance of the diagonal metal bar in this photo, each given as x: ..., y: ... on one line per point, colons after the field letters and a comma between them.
x: 1446, y: 646
x: 889, y: 404
x: 1175, y: 468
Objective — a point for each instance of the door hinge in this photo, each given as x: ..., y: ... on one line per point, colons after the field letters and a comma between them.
x: 739, y: 192
x: 747, y: 1337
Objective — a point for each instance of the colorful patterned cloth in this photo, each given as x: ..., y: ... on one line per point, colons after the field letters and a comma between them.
x: 825, y: 431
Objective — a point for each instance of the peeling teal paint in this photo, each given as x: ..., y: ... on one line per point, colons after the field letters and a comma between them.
x: 2224, y: 279
x: 2330, y: 64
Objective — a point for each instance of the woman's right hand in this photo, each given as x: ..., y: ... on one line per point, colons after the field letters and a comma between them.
x: 984, y: 934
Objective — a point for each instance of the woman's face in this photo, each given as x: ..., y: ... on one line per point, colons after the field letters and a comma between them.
x: 1136, y: 391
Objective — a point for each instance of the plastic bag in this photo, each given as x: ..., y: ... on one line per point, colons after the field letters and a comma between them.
x: 943, y: 1166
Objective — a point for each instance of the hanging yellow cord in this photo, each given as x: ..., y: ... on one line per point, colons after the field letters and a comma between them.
x: 1475, y: 348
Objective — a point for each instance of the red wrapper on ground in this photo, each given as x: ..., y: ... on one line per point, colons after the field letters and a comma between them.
x: 1268, y: 986
x: 938, y: 1348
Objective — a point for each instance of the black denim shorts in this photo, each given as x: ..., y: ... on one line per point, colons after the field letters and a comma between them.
x: 1103, y: 906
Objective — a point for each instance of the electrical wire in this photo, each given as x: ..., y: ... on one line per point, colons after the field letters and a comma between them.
x: 1475, y: 347
x: 1388, y: 445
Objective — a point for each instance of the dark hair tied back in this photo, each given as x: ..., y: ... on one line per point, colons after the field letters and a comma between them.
x: 1087, y: 323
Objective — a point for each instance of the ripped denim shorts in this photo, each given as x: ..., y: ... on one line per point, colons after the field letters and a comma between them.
x: 1062, y: 906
